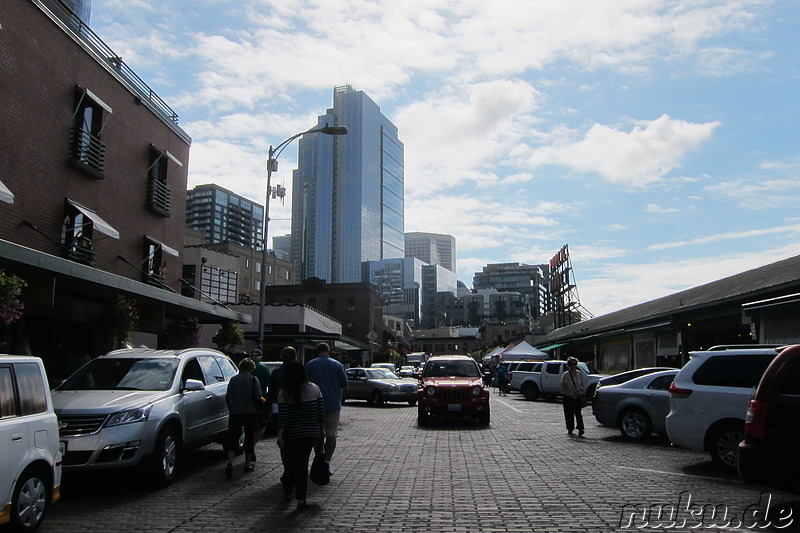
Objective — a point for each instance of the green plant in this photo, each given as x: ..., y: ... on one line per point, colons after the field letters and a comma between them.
x: 10, y: 305
x: 181, y: 333
x: 229, y: 336
x: 122, y: 319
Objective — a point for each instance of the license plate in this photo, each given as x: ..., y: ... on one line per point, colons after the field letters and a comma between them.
x: 62, y: 447
x: 454, y: 407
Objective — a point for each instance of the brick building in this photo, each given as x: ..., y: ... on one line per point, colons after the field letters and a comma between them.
x: 95, y: 169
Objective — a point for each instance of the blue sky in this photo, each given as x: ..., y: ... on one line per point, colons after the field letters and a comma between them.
x: 657, y: 138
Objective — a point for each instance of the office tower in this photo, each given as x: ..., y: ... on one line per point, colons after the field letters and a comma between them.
x: 347, y: 197
x: 530, y: 280
x: 223, y: 216
x: 433, y: 248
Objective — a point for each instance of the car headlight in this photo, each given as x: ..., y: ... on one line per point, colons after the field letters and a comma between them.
x: 129, y: 417
x: 430, y: 390
x: 476, y: 390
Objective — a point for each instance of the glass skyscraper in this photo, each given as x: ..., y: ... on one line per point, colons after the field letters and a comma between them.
x: 347, y: 198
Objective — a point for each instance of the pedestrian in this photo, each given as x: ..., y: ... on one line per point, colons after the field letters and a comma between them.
x: 573, y: 392
x: 243, y: 399
x: 301, y: 425
x: 331, y: 377
x: 502, y: 379
x: 261, y: 372
x: 288, y: 354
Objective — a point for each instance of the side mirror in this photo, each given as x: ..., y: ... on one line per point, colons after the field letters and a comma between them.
x: 193, y: 385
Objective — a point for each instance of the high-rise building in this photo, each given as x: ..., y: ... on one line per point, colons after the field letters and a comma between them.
x: 223, y: 216
x: 347, y: 197
x: 530, y: 280
x: 433, y: 248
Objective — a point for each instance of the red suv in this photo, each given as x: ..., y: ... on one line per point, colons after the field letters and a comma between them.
x: 452, y: 385
x: 768, y: 452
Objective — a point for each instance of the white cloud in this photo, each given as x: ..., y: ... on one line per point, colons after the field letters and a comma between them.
x: 637, y: 158
x: 789, y: 230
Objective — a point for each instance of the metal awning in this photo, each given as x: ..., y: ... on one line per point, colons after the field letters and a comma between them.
x: 5, y: 194
x: 97, y: 221
x: 552, y: 347
x: 164, y: 247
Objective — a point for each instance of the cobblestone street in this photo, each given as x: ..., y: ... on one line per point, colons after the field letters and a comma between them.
x: 522, y: 473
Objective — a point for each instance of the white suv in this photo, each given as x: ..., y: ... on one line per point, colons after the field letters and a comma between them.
x: 143, y: 407
x: 709, y: 396
x: 30, y: 459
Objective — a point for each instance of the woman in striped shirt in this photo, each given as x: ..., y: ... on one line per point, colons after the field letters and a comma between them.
x: 301, y: 423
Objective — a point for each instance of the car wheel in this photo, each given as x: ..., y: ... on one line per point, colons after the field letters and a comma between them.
x: 530, y: 391
x: 422, y: 417
x: 165, y: 456
x: 377, y: 398
x: 29, y: 501
x: 484, y: 418
x: 635, y: 424
x: 725, y: 445
x: 412, y: 403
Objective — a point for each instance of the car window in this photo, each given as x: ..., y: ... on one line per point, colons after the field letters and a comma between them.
x: 123, y: 373
x: 351, y: 373
x: 380, y: 373
x: 525, y: 367
x: 661, y: 382
x: 8, y: 402
x: 553, y: 368
x: 733, y: 370
x: 791, y: 384
x: 193, y: 370
x: 211, y: 369
x: 32, y: 392
x: 228, y: 368
x: 463, y: 369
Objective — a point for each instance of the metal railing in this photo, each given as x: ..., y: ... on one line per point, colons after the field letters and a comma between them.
x: 87, y: 149
x: 158, y: 197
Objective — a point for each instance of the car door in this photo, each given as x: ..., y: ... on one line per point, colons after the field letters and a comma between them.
x: 657, y: 393
x: 357, y: 384
x: 197, y: 406
x: 217, y: 385
x: 13, y: 434
x: 551, y: 378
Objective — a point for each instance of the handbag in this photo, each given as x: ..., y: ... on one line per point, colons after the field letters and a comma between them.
x: 582, y: 400
x: 319, y: 470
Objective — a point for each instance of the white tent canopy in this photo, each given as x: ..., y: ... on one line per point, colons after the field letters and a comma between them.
x: 523, y: 352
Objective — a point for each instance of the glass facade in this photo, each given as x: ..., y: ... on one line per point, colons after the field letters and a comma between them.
x: 223, y: 216
x: 347, y: 201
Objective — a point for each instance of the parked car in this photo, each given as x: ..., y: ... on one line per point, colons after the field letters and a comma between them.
x: 452, y: 385
x: 407, y: 372
x: 143, y: 407
x: 545, y: 379
x: 638, y: 407
x: 379, y: 385
x: 30, y: 462
x: 388, y: 366
x: 768, y: 453
x: 709, y: 397
x: 622, y: 377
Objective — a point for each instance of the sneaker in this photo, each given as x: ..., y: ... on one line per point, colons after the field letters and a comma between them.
x: 580, y: 433
x: 248, y: 468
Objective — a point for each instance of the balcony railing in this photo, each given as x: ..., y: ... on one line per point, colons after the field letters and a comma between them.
x: 88, y: 151
x: 158, y: 197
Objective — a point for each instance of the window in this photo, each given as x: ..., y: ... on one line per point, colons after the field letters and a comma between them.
x: 158, y: 194
x: 8, y: 402
x: 80, y: 226
x: 258, y: 267
x: 32, y: 393
x: 154, y: 264
x: 88, y: 119
x: 733, y: 370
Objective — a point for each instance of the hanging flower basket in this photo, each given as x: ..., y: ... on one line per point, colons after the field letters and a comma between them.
x: 10, y: 305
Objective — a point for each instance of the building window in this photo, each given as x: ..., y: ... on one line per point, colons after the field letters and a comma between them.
x: 258, y: 285
x: 189, y: 278
x: 158, y: 194
x: 87, y: 151
x: 258, y: 267
x: 153, y: 264
x: 78, y: 232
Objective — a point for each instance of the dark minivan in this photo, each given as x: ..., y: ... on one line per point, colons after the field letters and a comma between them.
x: 768, y: 452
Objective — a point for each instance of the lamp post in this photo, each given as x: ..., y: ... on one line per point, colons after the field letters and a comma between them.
x: 272, y: 166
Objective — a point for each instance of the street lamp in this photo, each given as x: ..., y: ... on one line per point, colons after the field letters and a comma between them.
x: 272, y: 166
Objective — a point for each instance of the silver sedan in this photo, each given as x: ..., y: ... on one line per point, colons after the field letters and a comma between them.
x: 637, y: 407
x: 379, y: 385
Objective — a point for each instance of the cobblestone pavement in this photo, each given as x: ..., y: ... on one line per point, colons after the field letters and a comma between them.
x: 522, y: 473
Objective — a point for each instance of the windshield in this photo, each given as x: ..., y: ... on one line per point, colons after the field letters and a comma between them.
x: 459, y: 369
x: 123, y: 374
x: 380, y: 373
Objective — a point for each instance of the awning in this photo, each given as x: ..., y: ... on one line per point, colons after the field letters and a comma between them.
x: 552, y: 347
x: 97, y: 222
x: 164, y: 247
x: 5, y: 194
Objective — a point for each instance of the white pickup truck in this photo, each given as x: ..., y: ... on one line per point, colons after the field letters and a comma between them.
x: 544, y: 378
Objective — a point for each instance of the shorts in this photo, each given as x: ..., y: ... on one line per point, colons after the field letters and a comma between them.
x: 332, y: 423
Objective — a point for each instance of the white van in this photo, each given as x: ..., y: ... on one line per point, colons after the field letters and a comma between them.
x: 30, y: 458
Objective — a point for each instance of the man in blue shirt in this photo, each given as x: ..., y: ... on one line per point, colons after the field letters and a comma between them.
x: 331, y: 378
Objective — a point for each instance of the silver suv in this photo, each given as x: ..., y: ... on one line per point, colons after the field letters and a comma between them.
x: 143, y: 406
x: 30, y: 459
x: 709, y: 396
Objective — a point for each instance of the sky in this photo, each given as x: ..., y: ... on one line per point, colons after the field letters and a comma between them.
x: 657, y: 139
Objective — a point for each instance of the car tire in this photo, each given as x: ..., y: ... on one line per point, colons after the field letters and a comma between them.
x: 166, y: 454
x: 634, y: 423
x: 724, y: 444
x: 529, y: 390
x: 30, y: 500
x: 422, y: 417
x: 377, y: 398
x: 484, y: 418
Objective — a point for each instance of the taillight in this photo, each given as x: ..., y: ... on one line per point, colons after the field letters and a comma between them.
x: 755, y: 421
x: 676, y: 392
